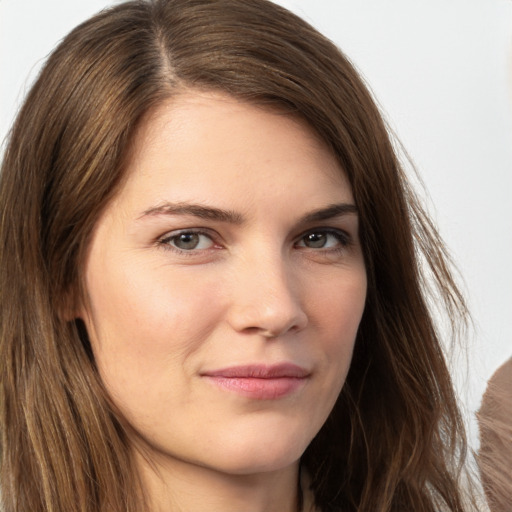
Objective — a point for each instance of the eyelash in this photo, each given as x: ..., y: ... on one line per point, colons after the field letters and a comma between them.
x: 165, y: 242
x: 342, y: 237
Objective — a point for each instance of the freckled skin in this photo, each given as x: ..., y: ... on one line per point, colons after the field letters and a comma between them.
x: 255, y: 291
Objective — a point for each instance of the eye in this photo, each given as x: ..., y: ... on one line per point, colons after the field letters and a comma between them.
x: 323, y: 239
x: 188, y: 241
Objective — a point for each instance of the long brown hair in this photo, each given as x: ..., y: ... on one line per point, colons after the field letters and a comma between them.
x: 395, y: 439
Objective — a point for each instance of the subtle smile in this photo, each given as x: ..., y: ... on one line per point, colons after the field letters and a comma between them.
x: 260, y: 382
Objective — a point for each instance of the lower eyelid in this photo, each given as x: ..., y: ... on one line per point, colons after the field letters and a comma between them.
x: 344, y: 240
x: 166, y: 240
x: 342, y: 237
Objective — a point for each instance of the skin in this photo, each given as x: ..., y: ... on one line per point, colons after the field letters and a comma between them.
x: 261, y: 284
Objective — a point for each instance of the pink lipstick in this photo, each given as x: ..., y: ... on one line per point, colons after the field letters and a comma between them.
x: 260, y: 382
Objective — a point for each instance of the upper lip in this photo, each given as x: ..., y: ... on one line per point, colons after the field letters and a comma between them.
x: 260, y: 371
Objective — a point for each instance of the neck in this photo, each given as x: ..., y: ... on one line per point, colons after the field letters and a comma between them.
x: 173, y: 486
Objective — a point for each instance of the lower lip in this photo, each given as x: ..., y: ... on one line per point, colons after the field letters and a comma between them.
x: 259, y: 388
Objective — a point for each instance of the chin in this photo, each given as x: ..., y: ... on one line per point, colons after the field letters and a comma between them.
x: 256, y: 465
x: 262, y: 456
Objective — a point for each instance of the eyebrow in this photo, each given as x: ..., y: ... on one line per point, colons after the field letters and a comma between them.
x: 232, y: 217
x: 331, y: 211
x: 195, y: 210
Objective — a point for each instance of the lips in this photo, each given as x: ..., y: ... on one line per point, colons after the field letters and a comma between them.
x: 260, y: 382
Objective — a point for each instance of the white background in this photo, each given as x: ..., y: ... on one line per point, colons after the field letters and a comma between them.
x: 440, y: 71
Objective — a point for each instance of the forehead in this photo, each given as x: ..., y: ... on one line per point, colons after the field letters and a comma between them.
x: 210, y: 143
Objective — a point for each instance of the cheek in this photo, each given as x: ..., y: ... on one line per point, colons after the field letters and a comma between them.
x: 338, y: 306
x: 144, y: 321
x: 336, y: 312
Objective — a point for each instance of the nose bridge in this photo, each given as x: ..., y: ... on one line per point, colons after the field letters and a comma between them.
x: 267, y: 297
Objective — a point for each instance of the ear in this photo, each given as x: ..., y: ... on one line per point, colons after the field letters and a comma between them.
x: 71, y: 306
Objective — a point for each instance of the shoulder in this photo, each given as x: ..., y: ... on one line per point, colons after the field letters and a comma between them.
x: 497, y: 400
x: 495, y: 453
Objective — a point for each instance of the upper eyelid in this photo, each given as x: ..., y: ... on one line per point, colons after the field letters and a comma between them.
x: 176, y: 232
x: 325, y: 229
x: 216, y: 237
x: 211, y: 232
x: 164, y: 242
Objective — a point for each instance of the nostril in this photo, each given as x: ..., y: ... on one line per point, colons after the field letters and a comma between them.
x: 253, y: 330
x: 268, y: 322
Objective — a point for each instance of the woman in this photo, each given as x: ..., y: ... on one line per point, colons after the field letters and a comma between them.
x: 213, y: 289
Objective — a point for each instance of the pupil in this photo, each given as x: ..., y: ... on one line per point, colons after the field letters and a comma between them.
x: 315, y: 240
x: 187, y: 241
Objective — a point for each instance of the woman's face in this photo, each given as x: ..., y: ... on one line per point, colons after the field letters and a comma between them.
x: 226, y: 284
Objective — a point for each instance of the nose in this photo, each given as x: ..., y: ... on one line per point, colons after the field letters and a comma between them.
x: 266, y: 299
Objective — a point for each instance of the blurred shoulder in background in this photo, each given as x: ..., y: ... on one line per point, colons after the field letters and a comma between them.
x: 495, y: 454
